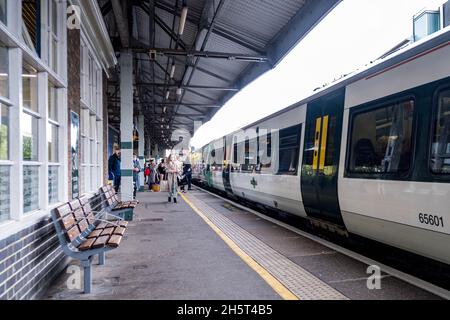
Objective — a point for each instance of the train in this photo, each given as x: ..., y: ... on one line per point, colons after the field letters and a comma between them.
x: 366, y: 155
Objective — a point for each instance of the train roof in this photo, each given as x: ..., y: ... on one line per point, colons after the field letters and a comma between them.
x: 434, y: 41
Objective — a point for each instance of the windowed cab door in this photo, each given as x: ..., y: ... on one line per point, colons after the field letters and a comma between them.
x: 319, y: 175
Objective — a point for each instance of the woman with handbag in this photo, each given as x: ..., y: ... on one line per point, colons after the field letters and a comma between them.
x: 172, y: 170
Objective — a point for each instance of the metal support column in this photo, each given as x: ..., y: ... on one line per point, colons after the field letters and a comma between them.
x: 126, y: 122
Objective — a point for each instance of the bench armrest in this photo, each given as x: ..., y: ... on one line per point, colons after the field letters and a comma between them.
x: 108, y: 222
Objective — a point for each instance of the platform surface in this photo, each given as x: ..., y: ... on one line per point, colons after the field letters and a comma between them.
x: 205, y: 248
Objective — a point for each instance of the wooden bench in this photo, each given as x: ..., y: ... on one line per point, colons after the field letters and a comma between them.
x: 113, y: 201
x: 84, y: 234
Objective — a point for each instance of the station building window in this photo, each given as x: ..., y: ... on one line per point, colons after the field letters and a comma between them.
x: 31, y: 164
x: 440, y: 147
x: 31, y: 26
x: 3, y: 15
x: 382, y: 139
x: 53, y: 144
x: 4, y: 72
x: 4, y: 166
x: 53, y: 34
x: 91, y: 79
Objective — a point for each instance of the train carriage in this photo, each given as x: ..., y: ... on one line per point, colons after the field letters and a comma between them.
x: 367, y: 155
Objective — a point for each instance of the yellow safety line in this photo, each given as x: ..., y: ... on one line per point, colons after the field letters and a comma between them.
x: 276, y: 285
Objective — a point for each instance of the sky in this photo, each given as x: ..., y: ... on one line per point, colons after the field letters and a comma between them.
x: 353, y: 34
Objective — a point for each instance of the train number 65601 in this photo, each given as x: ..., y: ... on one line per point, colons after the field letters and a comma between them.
x: 431, y: 220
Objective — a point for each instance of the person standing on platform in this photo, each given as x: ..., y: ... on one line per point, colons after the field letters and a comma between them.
x: 187, y: 176
x: 173, y: 171
x: 162, y: 171
x: 153, y: 176
x: 114, y: 173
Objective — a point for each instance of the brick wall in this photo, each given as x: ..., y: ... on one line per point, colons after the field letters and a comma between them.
x: 29, y: 261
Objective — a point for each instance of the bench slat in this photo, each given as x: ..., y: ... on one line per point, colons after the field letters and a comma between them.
x: 107, y: 231
x: 78, y: 213
x: 63, y: 210
x: 91, y: 218
x: 73, y: 233
x: 119, y: 231
x: 83, y: 225
x: 75, y: 204
x: 96, y: 233
x: 68, y: 221
x: 114, y: 241
x: 86, y: 245
x: 100, y: 242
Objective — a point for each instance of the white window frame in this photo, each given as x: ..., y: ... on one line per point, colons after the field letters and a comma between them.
x: 18, y: 51
x: 91, y: 83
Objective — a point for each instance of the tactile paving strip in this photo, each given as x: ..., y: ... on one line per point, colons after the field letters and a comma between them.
x: 299, y: 281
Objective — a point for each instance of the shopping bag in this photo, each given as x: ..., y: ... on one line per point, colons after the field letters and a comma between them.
x: 164, y: 186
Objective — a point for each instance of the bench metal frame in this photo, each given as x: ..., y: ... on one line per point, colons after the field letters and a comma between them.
x: 85, y: 257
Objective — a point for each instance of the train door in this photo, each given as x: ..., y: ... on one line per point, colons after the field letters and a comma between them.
x: 320, y: 166
x: 226, y: 167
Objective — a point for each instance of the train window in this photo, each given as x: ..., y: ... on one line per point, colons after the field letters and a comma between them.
x: 289, y: 149
x: 440, y: 146
x: 381, y: 141
x: 265, y: 151
x: 249, y: 155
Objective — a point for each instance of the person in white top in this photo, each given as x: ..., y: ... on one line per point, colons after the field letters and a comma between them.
x: 173, y: 170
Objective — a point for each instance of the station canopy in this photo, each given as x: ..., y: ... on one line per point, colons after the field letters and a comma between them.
x: 191, y: 57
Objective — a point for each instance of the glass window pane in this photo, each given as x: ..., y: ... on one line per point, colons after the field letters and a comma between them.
x: 52, y: 142
x: 4, y: 193
x: 3, y: 16
x: 4, y: 71
x: 440, y: 147
x: 54, y: 54
x: 52, y: 103
x: 54, y: 15
x: 289, y: 149
x: 4, y: 132
x: 53, y: 184
x: 29, y: 87
x: 30, y: 137
x: 382, y: 139
x: 30, y: 188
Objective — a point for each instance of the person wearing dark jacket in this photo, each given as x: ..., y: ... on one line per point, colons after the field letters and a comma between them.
x: 114, y: 168
x: 187, y: 176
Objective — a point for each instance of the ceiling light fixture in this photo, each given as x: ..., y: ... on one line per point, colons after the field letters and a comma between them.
x: 172, y: 71
x: 183, y: 17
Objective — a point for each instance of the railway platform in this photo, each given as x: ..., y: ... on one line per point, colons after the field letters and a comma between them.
x: 205, y: 247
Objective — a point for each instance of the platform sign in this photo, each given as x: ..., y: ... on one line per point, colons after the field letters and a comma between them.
x: 74, y: 147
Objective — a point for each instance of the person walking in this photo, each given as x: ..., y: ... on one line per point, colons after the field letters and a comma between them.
x: 114, y: 173
x: 173, y: 171
x: 136, y: 178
